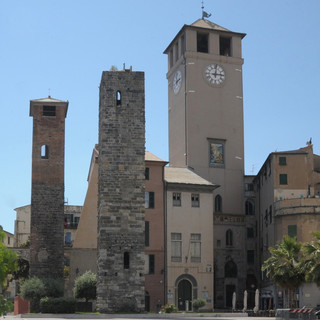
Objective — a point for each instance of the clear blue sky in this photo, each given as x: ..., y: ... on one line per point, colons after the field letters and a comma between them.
x: 65, y: 45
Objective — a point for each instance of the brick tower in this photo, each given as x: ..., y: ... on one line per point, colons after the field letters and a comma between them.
x: 47, y: 194
x: 121, y: 192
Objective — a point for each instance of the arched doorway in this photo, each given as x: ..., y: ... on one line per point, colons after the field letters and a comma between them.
x: 184, y: 294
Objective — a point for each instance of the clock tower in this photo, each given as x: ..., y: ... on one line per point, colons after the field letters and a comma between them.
x: 206, y: 135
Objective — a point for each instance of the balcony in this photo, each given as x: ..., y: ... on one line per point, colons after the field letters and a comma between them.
x: 297, y: 206
x: 71, y: 225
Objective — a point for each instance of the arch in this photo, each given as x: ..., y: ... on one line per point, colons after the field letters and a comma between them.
x: 118, y: 98
x: 44, y: 151
x: 250, y: 210
x: 229, y: 238
x: 218, y: 203
x: 184, y: 283
x: 126, y: 260
x: 230, y: 270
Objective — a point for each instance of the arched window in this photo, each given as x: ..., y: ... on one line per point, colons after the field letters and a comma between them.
x: 229, y: 238
x: 230, y: 270
x: 44, y: 151
x: 126, y: 260
x: 218, y: 203
x: 250, y: 208
x: 118, y: 98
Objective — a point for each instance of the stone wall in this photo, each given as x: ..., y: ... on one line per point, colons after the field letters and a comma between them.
x: 121, y: 192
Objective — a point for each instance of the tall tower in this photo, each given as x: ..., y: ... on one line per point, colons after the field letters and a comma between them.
x: 206, y: 131
x: 47, y: 194
x: 121, y: 192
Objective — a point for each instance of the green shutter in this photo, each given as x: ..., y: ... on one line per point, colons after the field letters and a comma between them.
x: 292, y: 231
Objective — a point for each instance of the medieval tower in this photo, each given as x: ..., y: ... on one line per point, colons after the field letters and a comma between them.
x: 47, y: 194
x: 121, y: 192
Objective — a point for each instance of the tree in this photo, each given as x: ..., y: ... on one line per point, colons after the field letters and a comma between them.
x: 312, y: 259
x: 85, y: 286
x: 284, y: 266
x: 33, y: 289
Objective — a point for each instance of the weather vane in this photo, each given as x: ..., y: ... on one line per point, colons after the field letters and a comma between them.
x: 204, y: 14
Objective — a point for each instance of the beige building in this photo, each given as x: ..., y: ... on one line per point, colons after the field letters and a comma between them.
x: 288, y: 198
x: 189, y: 238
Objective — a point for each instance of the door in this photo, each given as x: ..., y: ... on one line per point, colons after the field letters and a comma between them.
x: 230, y: 289
x: 184, y: 294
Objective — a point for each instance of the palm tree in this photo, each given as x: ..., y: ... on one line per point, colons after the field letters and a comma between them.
x: 284, y: 266
x: 312, y: 259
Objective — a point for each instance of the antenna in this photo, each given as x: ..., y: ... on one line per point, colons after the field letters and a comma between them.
x: 204, y: 14
x: 49, y: 93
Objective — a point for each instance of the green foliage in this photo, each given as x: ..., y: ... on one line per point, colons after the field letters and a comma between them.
x: 5, y: 305
x: 168, y: 308
x: 53, y: 287
x: 8, y: 260
x: 85, y: 286
x: 22, y: 271
x: 198, y: 303
x: 33, y: 289
x: 58, y: 305
x: 312, y: 259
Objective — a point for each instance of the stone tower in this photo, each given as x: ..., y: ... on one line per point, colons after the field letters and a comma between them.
x: 121, y: 192
x: 47, y: 194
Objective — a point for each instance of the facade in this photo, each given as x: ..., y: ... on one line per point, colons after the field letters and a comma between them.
x: 206, y: 135
x: 121, y: 191
x: 8, y: 240
x: 189, y: 238
x: 47, y: 190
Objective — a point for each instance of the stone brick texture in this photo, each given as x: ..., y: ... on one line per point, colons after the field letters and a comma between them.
x: 121, y: 192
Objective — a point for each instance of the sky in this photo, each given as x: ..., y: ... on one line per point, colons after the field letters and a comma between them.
x: 61, y: 47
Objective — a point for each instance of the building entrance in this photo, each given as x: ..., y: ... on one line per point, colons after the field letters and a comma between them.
x: 185, y: 295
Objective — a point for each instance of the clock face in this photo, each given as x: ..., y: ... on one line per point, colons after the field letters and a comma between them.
x: 177, y: 80
x: 215, y: 74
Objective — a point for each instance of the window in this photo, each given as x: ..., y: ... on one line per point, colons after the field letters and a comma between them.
x: 176, y: 247
x: 249, y: 187
x: 118, y: 98
x: 225, y: 46
x: 195, y: 247
x: 176, y: 49
x: 67, y: 239
x: 126, y: 260
x: 250, y: 256
x: 282, y: 161
x: 8, y: 240
x: 283, y: 178
x: 249, y: 208
x: 49, y: 111
x: 216, y: 154
x: 218, y: 203
x: 146, y: 173
x: 230, y: 270
x: 229, y: 238
x: 203, y: 42
x: 149, y: 200
x: 151, y: 263
x: 176, y: 199
x: 195, y: 200
x: 250, y: 233
x: 182, y: 45
x: 146, y: 233
x: 44, y: 151
x: 292, y: 231
x: 171, y: 58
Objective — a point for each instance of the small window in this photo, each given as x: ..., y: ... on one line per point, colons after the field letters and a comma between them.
x: 218, y: 203
x: 250, y: 233
x: 44, y: 152
x: 151, y: 263
x: 283, y: 178
x: 292, y: 231
x: 176, y: 49
x: 49, y: 111
x: 182, y: 45
x: 146, y: 173
x: 249, y: 187
x: 229, y: 238
x: 203, y: 42
x: 146, y: 233
x: 118, y: 98
x: 176, y: 199
x: 225, y: 46
x: 250, y: 256
x: 249, y: 208
x: 195, y: 247
x: 176, y: 247
x: 126, y: 260
x: 149, y: 200
x: 171, y: 58
x: 195, y: 202
x: 282, y: 161
x: 8, y: 240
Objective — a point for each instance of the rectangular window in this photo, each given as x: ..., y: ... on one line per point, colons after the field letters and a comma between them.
x: 195, y: 200
x: 149, y: 200
x: 146, y: 233
x: 250, y: 233
x: 216, y: 154
x: 282, y: 161
x: 283, y: 178
x: 171, y: 58
x: 176, y: 247
x: 203, y: 42
x: 8, y: 240
x: 151, y: 263
x: 250, y: 256
x: 225, y: 46
x: 176, y: 199
x: 249, y: 187
x: 146, y: 173
x: 292, y: 231
x: 182, y: 45
x: 49, y: 111
x: 195, y: 247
